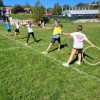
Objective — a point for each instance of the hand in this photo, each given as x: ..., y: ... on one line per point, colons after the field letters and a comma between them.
x: 93, y: 45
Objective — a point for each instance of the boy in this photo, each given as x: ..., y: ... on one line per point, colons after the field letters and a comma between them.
x: 8, y: 28
x: 78, y: 37
x: 56, y: 37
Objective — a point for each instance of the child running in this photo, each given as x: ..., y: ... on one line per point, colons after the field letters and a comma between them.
x: 56, y: 37
x: 8, y: 28
x: 78, y: 37
x: 30, y: 32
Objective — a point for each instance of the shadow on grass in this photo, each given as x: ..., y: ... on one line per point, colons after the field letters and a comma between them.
x: 84, y: 55
x: 36, y: 41
x: 62, y: 46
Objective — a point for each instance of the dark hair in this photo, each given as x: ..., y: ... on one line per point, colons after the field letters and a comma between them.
x: 79, y: 27
x: 60, y: 25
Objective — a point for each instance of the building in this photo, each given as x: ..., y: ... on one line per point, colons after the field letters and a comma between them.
x: 2, y: 16
x: 81, y: 14
x: 8, y: 10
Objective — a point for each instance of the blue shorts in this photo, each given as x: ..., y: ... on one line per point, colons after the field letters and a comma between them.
x: 55, y: 39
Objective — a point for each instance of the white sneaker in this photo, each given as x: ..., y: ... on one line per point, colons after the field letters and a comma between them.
x: 58, y: 49
x: 35, y: 42
x: 26, y: 44
x: 78, y: 62
x: 44, y: 52
x: 65, y: 64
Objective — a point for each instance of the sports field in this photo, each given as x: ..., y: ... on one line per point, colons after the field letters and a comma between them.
x: 27, y: 74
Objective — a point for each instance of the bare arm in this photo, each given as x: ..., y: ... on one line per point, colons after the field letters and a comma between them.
x: 49, y: 28
x: 90, y: 43
x: 66, y: 34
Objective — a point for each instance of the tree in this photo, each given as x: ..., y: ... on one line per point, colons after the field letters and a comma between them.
x: 65, y: 6
x: 38, y: 3
x: 1, y: 3
x: 99, y: 11
x: 27, y: 4
x: 17, y: 8
x: 57, y: 10
x: 38, y: 11
x: 82, y: 5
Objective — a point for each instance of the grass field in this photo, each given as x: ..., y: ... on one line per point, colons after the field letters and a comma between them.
x: 27, y: 74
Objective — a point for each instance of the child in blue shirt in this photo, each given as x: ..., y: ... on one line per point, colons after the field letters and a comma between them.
x: 8, y: 27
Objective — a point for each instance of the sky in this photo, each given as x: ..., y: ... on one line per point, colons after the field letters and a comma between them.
x: 47, y: 3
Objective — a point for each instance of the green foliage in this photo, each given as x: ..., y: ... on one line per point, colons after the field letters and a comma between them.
x: 57, y: 10
x: 1, y: 3
x: 27, y: 4
x: 21, y: 16
x: 17, y: 8
x: 38, y: 13
x: 66, y: 7
x: 99, y: 11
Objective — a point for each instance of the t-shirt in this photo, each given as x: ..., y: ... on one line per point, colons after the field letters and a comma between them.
x: 30, y: 28
x: 56, y: 23
x: 78, y: 37
x: 17, y: 26
x: 56, y: 32
x: 8, y: 26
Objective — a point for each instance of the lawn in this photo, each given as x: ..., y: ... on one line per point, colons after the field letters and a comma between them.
x: 27, y: 74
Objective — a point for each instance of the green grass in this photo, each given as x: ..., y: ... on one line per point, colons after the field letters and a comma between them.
x: 21, y: 16
x: 27, y: 74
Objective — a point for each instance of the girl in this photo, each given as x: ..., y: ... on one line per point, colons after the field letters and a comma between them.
x: 30, y: 32
x: 78, y: 37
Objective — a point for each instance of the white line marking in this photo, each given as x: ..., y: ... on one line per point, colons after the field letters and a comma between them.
x: 55, y: 59
x: 12, y: 48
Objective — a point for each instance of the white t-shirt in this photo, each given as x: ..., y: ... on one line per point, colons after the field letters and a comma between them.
x: 17, y: 26
x: 78, y: 37
x: 30, y: 28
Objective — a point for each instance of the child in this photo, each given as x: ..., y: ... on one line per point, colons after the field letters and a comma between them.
x: 8, y: 28
x: 17, y: 30
x: 78, y: 37
x: 30, y: 32
x: 56, y: 22
x: 56, y: 37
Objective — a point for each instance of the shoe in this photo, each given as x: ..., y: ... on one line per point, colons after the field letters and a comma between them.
x: 35, y: 42
x: 58, y: 49
x: 78, y: 62
x: 26, y: 44
x: 44, y: 52
x: 65, y: 64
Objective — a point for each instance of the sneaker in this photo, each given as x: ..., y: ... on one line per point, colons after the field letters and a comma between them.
x: 44, y: 52
x: 58, y: 49
x: 26, y: 44
x: 35, y: 42
x: 78, y: 62
x: 65, y: 64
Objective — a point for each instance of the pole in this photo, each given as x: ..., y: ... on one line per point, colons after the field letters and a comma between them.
x: 46, y: 6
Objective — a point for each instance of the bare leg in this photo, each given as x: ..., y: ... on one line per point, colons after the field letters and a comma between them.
x: 58, y: 46
x: 15, y: 35
x: 71, y: 55
x: 49, y: 47
x: 79, y: 57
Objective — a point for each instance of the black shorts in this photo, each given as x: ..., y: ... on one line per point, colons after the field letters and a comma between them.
x: 9, y: 30
x: 55, y: 39
x: 17, y: 30
x: 79, y: 50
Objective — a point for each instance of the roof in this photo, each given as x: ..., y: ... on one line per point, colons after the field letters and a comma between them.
x: 81, y: 12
